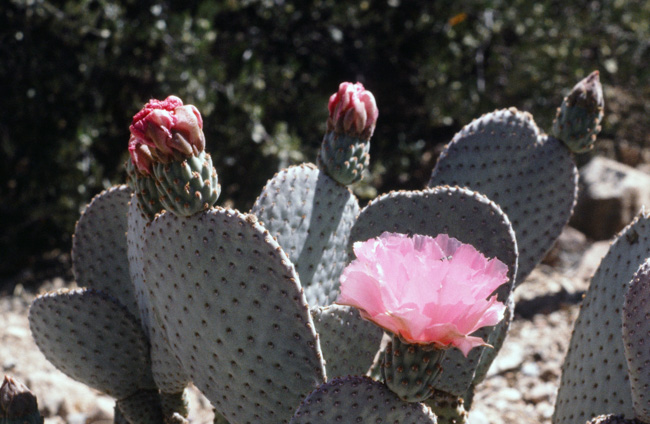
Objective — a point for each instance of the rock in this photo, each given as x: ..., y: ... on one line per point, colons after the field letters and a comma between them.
x: 509, y: 358
x: 611, y: 194
x: 567, y: 249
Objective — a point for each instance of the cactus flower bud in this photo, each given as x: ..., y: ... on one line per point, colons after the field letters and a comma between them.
x: 352, y: 111
x: 18, y: 402
x: 140, y: 155
x: 426, y: 291
x: 578, y: 118
x: 170, y: 130
x: 344, y: 152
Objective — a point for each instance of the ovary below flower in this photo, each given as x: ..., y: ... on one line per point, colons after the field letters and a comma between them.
x: 427, y: 291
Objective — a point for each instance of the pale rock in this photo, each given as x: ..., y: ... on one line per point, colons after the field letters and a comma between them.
x: 611, y: 194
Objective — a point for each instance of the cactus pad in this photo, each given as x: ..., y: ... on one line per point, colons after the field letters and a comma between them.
x: 529, y: 175
x: 99, y: 256
x: 142, y: 407
x: 594, y: 380
x: 167, y: 371
x: 188, y: 186
x: 636, y: 335
x: 92, y: 338
x: 349, y: 342
x: 359, y: 400
x: 310, y: 215
x: 233, y: 310
x: 463, y: 214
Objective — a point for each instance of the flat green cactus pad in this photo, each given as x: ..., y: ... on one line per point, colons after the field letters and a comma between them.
x: 234, y: 312
x: 349, y: 342
x: 91, y: 337
x: 356, y: 399
x: 99, y: 257
x: 142, y: 407
x: 531, y: 176
x: 310, y: 215
x: 594, y: 375
x: 636, y: 335
x: 167, y: 371
x: 466, y: 215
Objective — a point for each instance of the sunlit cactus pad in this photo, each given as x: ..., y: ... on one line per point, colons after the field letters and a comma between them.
x: 234, y: 313
x: 92, y: 338
x: 310, y: 215
x: 463, y: 214
x: 167, y: 371
x: 349, y: 342
x: 594, y: 375
x: 99, y: 256
x: 359, y: 400
x: 531, y: 176
x: 636, y: 339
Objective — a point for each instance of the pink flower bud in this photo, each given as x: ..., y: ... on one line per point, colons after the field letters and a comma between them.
x: 353, y: 111
x: 170, y: 130
x: 140, y: 156
x: 427, y: 291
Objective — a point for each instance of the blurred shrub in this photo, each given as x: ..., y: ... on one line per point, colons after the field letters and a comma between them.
x: 73, y: 73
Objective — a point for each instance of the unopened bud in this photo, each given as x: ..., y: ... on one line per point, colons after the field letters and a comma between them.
x: 578, y: 119
x: 352, y: 111
x: 17, y: 401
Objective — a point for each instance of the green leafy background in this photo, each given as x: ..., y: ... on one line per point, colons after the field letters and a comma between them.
x: 73, y: 73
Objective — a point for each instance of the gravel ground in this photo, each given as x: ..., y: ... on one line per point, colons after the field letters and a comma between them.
x: 520, y: 388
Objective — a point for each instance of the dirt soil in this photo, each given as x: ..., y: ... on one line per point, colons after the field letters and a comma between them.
x: 520, y: 388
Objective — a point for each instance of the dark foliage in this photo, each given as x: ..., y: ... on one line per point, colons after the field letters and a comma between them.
x: 73, y: 72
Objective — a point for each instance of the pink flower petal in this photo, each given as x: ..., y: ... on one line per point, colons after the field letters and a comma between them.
x: 427, y: 290
x: 172, y: 131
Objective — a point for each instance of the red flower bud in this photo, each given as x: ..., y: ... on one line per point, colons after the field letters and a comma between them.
x: 353, y: 111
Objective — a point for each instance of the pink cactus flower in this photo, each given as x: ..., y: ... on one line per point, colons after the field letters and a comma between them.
x: 427, y: 291
x: 170, y: 130
x: 353, y: 111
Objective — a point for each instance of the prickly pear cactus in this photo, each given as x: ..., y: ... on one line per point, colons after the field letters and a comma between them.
x: 577, y: 122
x: 349, y: 342
x: 188, y: 186
x: 344, y: 152
x: 530, y: 175
x: 356, y: 399
x: 168, y: 373
x: 636, y: 333
x: 99, y: 256
x: 410, y: 370
x: 91, y: 337
x: 18, y: 405
x: 142, y: 407
x: 594, y: 375
x: 234, y: 312
x: 310, y: 215
x: 465, y: 215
